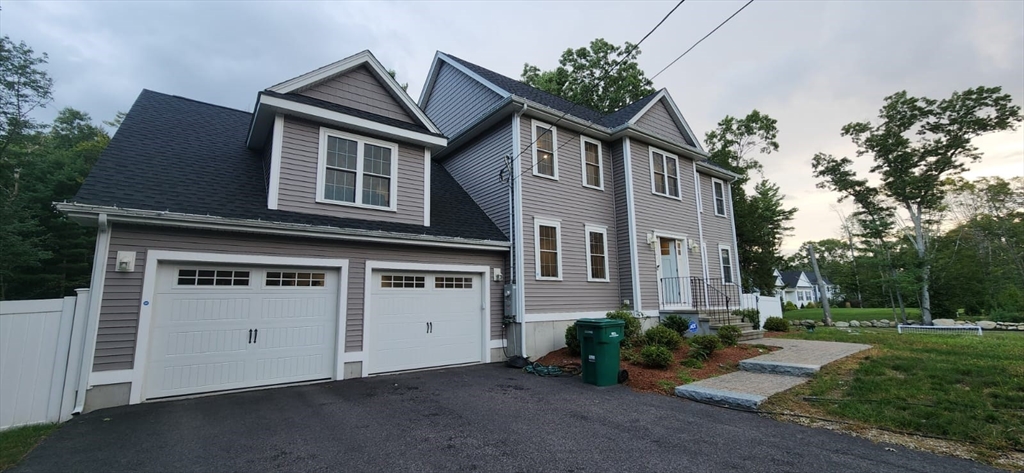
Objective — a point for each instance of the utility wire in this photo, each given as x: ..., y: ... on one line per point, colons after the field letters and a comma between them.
x: 702, y: 39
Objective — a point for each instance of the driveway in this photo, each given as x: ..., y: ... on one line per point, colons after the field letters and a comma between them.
x: 486, y: 418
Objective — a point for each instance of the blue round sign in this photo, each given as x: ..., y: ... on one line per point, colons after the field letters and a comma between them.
x: 693, y: 326
x: 145, y: 303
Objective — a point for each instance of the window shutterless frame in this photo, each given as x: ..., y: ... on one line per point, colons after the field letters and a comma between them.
x: 718, y: 192
x: 664, y: 174
x: 363, y: 175
x: 725, y: 263
x: 597, y: 253
x: 546, y: 247
x: 544, y: 149
x: 593, y: 172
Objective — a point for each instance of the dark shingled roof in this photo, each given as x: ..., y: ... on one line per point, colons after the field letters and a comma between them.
x: 790, y: 278
x: 179, y: 155
x: 299, y: 98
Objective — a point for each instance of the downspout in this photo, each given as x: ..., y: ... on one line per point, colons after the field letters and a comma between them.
x: 516, y: 219
x: 92, y: 319
x: 700, y: 228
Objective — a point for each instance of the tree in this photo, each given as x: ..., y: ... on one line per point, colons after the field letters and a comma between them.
x: 391, y: 72
x: 918, y: 143
x: 604, y: 77
x: 24, y: 87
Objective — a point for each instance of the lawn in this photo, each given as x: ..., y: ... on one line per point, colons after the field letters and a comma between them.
x: 965, y: 388
x: 17, y: 442
x: 842, y: 314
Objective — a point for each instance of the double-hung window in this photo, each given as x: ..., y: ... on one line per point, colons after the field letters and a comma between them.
x: 545, y: 150
x: 548, y: 249
x: 718, y: 188
x: 725, y: 254
x: 357, y: 171
x: 664, y: 174
x: 592, y: 163
x: 597, y: 253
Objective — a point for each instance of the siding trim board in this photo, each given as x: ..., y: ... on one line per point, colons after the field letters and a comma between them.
x: 634, y: 257
x: 275, y: 162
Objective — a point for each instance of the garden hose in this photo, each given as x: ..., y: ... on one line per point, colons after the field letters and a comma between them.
x: 538, y: 369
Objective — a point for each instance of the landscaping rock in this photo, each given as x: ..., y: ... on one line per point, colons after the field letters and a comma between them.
x: 943, y: 322
x: 853, y: 323
x: 987, y: 324
x: 842, y: 324
x: 883, y: 323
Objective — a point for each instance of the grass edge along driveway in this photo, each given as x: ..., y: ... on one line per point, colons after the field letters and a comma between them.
x: 17, y: 442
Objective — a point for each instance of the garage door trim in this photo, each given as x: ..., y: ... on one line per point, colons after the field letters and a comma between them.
x: 483, y: 271
x: 155, y: 257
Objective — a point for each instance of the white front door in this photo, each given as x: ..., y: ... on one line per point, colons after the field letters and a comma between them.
x: 218, y: 327
x: 420, y: 320
x: 674, y: 272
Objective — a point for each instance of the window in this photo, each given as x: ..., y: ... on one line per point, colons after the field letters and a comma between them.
x: 548, y: 249
x: 453, y: 283
x: 726, y: 257
x: 356, y: 171
x: 294, y: 279
x: 597, y: 253
x: 664, y: 174
x: 210, y: 277
x: 593, y: 165
x: 718, y: 188
x: 545, y: 153
x: 406, y: 282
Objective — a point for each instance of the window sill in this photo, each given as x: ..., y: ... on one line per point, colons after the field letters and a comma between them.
x: 548, y: 278
x: 358, y: 206
x: 545, y: 176
x: 598, y: 280
x: 721, y: 215
x: 667, y: 196
x: 596, y: 188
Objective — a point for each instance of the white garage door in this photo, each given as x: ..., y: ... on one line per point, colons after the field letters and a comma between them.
x: 218, y: 328
x: 420, y: 320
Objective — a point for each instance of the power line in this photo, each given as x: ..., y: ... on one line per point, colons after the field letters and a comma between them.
x: 702, y: 39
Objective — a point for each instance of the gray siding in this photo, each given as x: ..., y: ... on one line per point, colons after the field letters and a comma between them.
x: 298, y: 178
x: 622, y: 224
x: 119, y: 314
x: 361, y: 90
x: 656, y: 213
x: 457, y: 101
x: 717, y: 229
x: 476, y: 166
x: 575, y: 205
x: 658, y: 120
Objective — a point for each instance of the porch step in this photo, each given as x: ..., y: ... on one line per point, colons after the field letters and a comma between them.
x: 731, y: 320
x: 741, y: 325
x: 751, y: 334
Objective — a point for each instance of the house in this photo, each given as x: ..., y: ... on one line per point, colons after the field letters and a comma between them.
x: 340, y: 229
x: 801, y: 287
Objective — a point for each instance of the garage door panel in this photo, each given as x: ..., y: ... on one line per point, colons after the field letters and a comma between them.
x: 310, y: 336
x: 189, y: 378
x: 285, y: 369
x: 205, y: 342
x: 198, y: 308
x: 294, y: 307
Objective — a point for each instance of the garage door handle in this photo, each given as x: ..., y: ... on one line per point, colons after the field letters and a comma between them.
x: 250, y: 335
x: 255, y: 333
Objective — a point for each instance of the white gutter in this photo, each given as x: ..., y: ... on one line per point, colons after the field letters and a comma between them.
x: 700, y: 223
x: 634, y: 254
x: 99, y: 272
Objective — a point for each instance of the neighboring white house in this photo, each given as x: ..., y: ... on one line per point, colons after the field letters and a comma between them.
x: 800, y: 287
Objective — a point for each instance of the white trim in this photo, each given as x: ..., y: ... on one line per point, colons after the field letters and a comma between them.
x: 664, y: 165
x: 355, y: 357
x: 559, y: 316
x: 735, y: 242
x: 364, y: 125
x: 518, y: 243
x: 153, y: 259
x: 426, y: 186
x: 547, y: 222
x: 347, y: 64
x: 682, y: 267
x: 361, y: 142
x: 92, y: 319
x: 554, y: 151
x: 634, y: 251
x: 100, y: 378
x: 714, y: 197
x: 435, y: 67
x: 583, y: 161
x: 603, y: 230
x: 500, y: 343
x: 680, y: 120
x: 276, y: 145
x: 700, y: 222
x: 485, y: 303
x: 721, y: 267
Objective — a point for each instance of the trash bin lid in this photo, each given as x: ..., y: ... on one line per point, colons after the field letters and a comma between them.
x: 600, y: 322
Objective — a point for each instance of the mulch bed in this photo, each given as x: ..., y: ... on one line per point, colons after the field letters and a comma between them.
x: 664, y: 380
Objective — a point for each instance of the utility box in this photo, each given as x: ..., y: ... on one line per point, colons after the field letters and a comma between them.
x: 510, y: 303
x: 599, y: 349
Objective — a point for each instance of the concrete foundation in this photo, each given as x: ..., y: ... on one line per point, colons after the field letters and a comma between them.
x: 107, y: 395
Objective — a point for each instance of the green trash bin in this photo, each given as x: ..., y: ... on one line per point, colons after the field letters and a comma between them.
x: 599, y: 349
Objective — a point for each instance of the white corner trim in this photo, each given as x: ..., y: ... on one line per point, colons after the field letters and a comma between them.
x: 700, y: 221
x: 554, y: 144
x: 354, y: 357
x: 634, y: 256
x: 547, y: 222
x: 96, y: 286
x: 714, y: 197
x: 100, y: 378
x: 583, y: 162
x: 275, y: 162
x: 735, y: 242
x: 588, y: 229
x: 560, y: 316
x: 361, y: 141
x: 518, y: 218
x: 496, y: 344
x: 426, y: 186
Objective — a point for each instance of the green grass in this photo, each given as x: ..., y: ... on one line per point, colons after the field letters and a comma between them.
x: 15, y: 443
x: 842, y: 314
x: 965, y: 388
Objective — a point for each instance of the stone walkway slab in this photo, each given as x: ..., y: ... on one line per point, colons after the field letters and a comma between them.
x: 741, y: 389
x: 799, y: 357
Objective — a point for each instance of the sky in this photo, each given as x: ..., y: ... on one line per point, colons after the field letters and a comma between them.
x: 813, y: 66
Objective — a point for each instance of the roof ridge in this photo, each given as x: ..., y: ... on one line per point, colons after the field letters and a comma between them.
x: 196, y: 101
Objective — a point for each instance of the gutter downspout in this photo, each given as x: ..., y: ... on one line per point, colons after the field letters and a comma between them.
x: 516, y: 201
x: 700, y: 228
x: 99, y: 272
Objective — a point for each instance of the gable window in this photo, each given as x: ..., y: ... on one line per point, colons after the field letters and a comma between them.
x: 664, y: 174
x: 597, y: 253
x: 357, y: 171
x: 593, y: 164
x: 548, y: 249
x: 545, y: 154
x: 725, y: 254
x: 718, y: 188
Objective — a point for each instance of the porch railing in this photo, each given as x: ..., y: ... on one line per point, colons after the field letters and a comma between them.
x: 712, y: 298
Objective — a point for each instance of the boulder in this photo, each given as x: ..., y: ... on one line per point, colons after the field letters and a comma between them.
x: 853, y: 323
x: 883, y: 323
x: 842, y: 324
x: 987, y: 324
x: 819, y: 324
x: 943, y: 322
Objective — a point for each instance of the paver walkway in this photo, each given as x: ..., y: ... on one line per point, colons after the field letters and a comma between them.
x: 761, y: 377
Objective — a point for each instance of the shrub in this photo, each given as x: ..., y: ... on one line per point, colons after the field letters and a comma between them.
x: 633, y: 329
x: 753, y: 316
x: 692, y: 363
x: 729, y: 334
x: 1001, y: 315
x: 676, y: 323
x: 811, y: 305
x: 572, y: 339
x: 776, y: 324
x: 789, y: 306
x: 703, y: 346
x: 654, y: 356
x: 663, y: 336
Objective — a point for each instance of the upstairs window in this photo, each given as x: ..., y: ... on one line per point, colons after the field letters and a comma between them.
x: 664, y: 174
x: 718, y: 188
x: 593, y: 165
x: 548, y: 249
x: 357, y: 171
x: 545, y: 152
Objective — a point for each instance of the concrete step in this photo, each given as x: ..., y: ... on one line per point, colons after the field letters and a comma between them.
x: 751, y: 334
x: 740, y: 389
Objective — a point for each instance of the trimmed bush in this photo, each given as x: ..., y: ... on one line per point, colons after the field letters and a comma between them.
x: 654, y: 356
x: 663, y: 336
x: 572, y: 339
x: 776, y: 324
x: 789, y: 306
x: 633, y: 329
x: 676, y: 323
x: 692, y: 363
x: 703, y: 346
x: 753, y: 316
x: 729, y: 334
x: 811, y: 305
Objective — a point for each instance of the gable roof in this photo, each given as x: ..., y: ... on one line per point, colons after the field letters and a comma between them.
x: 791, y: 278
x: 334, y: 107
x: 814, y: 280
x: 185, y: 158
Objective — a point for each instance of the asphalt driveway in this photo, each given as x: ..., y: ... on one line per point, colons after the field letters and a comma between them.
x: 486, y: 418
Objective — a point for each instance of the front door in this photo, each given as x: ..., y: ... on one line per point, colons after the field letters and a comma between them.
x: 671, y: 278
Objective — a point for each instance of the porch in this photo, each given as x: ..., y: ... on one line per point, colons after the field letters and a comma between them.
x: 713, y: 300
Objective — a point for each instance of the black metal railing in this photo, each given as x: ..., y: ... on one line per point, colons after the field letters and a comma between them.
x: 712, y: 298
x: 674, y: 292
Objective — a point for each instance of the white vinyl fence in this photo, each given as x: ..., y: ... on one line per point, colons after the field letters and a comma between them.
x: 768, y: 306
x: 40, y: 358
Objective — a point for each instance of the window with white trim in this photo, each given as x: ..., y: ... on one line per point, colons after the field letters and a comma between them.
x: 664, y: 174
x: 597, y: 253
x: 295, y: 279
x: 548, y: 249
x: 718, y: 188
x: 725, y: 256
x: 545, y: 150
x: 355, y: 170
x: 592, y: 163
x: 402, y: 282
x: 211, y: 277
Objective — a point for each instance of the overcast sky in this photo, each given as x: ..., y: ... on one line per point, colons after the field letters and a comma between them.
x: 814, y: 66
